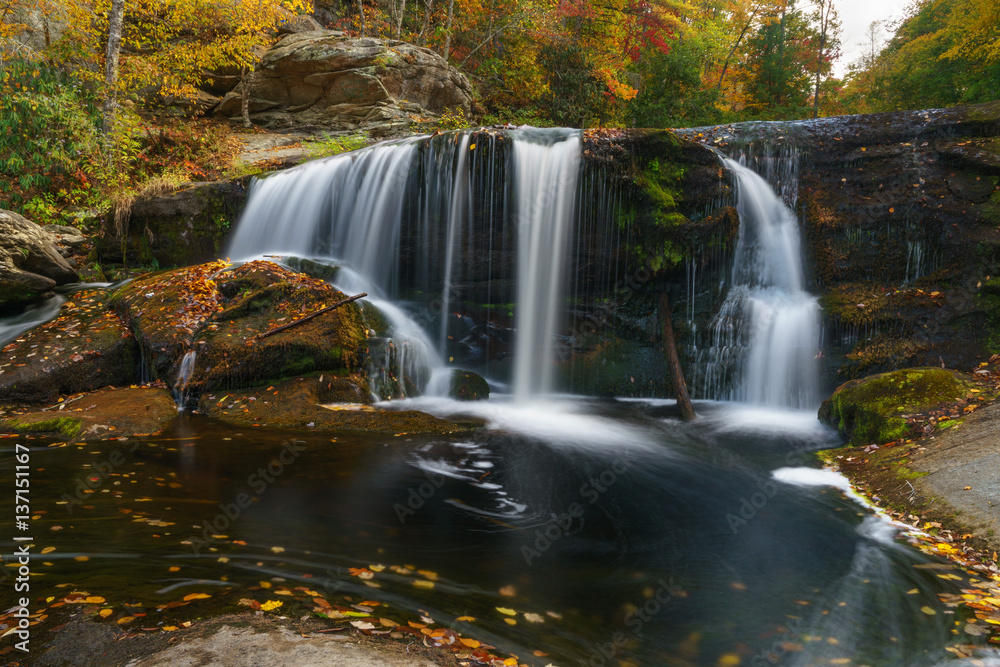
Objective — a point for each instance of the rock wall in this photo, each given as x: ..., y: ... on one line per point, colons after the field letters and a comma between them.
x: 901, y: 216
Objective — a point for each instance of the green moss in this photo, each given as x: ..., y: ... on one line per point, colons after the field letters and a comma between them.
x: 67, y: 426
x: 990, y: 211
x: 989, y: 303
x: 869, y: 410
x: 468, y: 386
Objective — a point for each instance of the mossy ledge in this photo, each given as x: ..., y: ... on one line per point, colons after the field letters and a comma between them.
x: 871, y: 410
x: 69, y: 427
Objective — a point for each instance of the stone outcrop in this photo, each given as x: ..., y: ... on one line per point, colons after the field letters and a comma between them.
x: 323, y: 79
x: 901, y: 218
x: 30, y: 262
x: 87, y: 347
x: 179, y: 228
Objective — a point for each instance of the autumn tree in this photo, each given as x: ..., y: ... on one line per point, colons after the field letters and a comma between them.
x: 825, y: 44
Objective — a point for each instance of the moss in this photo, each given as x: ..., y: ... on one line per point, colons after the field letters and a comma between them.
x: 870, y: 410
x: 468, y: 386
x: 67, y: 426
x: 990, y: 211
x: 989, y: 302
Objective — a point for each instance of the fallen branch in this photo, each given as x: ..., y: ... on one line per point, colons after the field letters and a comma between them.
x: 674, y: 361
x: 311, y: 315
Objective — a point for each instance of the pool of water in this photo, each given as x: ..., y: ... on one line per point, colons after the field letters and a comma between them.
x: 594, y: 532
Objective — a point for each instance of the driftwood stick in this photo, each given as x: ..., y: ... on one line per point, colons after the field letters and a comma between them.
x: 308, y: 317
x: 674, y: 361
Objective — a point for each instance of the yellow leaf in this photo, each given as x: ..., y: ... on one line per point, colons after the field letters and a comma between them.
x: 927, y: 610
x: 510, y: 621
x: 468, y: 619
x: 420, y: 583
x: 271, y: 605
x: 48, y: 550
x: 196, y: 596
x: 125, y: 620
x: 506, y: 611
x: 471, y: 643
x: 729, y: 660
x: 94, y: 599
x: 106, y: 612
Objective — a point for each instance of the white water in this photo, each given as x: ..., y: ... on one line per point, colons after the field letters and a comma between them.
x: 546, y: 182
x: 184, y: 377
x: 346, y: 207
x: 765, y: 338
x: 350, y: 209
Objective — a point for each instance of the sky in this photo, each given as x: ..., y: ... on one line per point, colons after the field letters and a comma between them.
x: 856, y: 15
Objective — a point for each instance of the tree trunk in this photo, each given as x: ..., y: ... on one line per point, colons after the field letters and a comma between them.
x: 361, y: 15
x: 447, y: 33
x: 674, y: 361
x: 246, y: 79
x: 115, y: 20
x: 425, y: 28
x: 399, y: 19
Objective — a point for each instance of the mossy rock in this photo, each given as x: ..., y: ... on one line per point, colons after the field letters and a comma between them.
x: 310, y: 403
x: 221, y: 314
x: 85, y: 348
x: 870, y: 410
x: 99, y: 414
x: 468, y: 386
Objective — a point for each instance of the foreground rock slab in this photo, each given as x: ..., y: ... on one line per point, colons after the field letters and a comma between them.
x: 234, y: 640
x: 280, y: 647
x: 323, y: 403
x: 129, y: 412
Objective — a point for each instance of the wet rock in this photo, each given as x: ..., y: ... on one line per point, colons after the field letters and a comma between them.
x: 869, y: 410
x: 185, y: 226
x: 220, y: 316
x: 85, y: 348
x: 468, y: 386
x: 322, y: 78
x: 299, y: 404
x: 101, y: 414
x: 30, y: 263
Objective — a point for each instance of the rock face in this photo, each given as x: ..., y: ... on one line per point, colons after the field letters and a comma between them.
x: 30, y: 263
x: 85, y: 348
x: 869, y: 411
x: 218, y: 316
x: 324, y: 79
x: 187, y: 226
x: 901, y: 220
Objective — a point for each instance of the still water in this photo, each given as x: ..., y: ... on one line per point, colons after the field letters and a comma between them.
x: 616, y: 533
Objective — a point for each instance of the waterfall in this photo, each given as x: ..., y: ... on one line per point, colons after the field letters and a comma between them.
x: 183, y: 378
x: 546, y: 175
x: 765, y: 338
x: 407, y: 221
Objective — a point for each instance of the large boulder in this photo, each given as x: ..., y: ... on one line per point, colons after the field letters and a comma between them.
x: 874, y: 410
x: 322, y: 78
x: 185, y: 226
x: 219, y: 316
x: 85, y: 348
x: 30, y: 263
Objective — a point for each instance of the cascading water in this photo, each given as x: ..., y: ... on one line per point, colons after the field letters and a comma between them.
x: 765, y: 338
x: 546, y: 177
x: 441, y: 195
